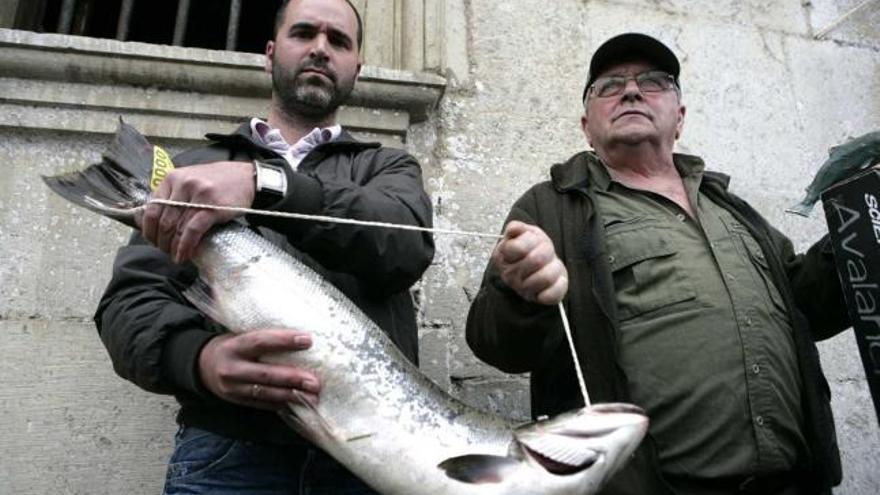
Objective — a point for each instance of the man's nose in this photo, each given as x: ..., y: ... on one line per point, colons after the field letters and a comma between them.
x: 319, y: 49
x: 631, y: 90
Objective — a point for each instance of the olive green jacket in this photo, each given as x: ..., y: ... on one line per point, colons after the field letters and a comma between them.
x: 517, y: 336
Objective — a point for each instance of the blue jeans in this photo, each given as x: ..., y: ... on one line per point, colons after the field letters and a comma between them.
x: 206, y: 463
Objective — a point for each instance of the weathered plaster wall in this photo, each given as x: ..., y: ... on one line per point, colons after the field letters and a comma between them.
x: 765, y: 101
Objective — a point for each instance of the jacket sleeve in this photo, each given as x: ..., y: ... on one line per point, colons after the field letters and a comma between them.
x: 152, y: 336
x: 503, y: 329
x: 384, y: 185
x: 815, y: 286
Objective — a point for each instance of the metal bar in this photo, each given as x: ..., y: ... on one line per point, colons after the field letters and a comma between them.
x: 66, y: 17
x: 124, y: 19
x: 180, y: 23
x: 822, y: 32
x: 232, y: 30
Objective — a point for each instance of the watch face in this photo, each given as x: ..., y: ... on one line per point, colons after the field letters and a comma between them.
x: 273, y: 179
x: 270, y: 179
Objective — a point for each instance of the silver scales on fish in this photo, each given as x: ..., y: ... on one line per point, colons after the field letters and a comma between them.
x: 375, y: 405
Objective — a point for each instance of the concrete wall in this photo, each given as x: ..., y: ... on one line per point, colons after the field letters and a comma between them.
x: 766, y: 99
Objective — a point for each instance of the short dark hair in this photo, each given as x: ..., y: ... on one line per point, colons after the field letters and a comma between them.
x: 279, y: 20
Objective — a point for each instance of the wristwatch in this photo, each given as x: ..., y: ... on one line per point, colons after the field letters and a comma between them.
x: 271, y: 184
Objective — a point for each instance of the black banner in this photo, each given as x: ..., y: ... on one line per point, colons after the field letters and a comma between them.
x: 852, y: 210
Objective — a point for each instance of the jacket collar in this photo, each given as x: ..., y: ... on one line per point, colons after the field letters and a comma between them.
x: 243, y: 136
x: 574, y: 175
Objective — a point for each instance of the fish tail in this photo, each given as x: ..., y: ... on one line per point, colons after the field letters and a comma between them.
x: 117, y: 184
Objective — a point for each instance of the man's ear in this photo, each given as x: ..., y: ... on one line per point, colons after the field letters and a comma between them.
x: 680, y: 126
x: 585, y: 128
x: 270, y: 52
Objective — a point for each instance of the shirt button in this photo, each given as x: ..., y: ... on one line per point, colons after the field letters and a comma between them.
x: 611, y: 260
x: 759, y: 420
x: 681, y: 217
x: 748, y: 321
x: 756, y: 369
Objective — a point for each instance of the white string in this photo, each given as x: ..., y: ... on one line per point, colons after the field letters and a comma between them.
x: 321, y: 218
x: 574, y: 357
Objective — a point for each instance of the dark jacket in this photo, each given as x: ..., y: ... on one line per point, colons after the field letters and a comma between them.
x: 517, y: 336
x: 154, y: 337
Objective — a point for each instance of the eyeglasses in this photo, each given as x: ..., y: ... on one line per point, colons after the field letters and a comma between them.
x: 652, y: 81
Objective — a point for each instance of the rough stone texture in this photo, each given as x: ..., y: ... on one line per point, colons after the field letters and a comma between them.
x: 765, y: 102
x: 71, y: 427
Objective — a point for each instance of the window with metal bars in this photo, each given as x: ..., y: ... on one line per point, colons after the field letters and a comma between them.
x: 217, y: 24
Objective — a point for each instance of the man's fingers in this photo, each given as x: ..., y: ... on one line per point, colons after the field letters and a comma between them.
x: 175, y: 242
x: 274, y: 376
x: 150, y: 221
x: 154, y: 212
x: 168, y: 225
x: 277, y: 383
x: 271, y: 398
x: 537, y: 259
x: 515, y: 228
x: 513, y: 248
x: 526, y: 261
x: 554, y: 293
x: 191, y: 234
x: 252, y: 345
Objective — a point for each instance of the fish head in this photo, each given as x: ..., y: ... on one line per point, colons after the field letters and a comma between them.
x: 582, y: 448
x: 574, y: 452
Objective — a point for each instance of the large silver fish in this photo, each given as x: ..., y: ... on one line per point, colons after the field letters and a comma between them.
x: 378, y: 415
x: 843, y: 161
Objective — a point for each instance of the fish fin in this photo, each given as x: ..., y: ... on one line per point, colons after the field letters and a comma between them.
x: 293, y: 418
x: 478, y: 469
x: 119, y: 182
x: 200, y: 295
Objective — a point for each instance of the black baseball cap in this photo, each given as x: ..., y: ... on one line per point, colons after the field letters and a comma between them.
x: 626, y: 46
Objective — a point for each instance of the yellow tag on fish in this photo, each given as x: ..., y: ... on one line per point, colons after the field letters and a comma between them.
x: 162, y: 166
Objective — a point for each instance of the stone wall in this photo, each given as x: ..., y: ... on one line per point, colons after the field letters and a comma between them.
x: 765, y: 101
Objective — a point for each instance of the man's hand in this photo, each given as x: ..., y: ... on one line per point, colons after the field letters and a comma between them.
x: 179, y: 230
x: 528, y: 264
x: 230, y: 367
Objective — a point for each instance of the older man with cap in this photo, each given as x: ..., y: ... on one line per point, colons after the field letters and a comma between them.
x: 682, y: 299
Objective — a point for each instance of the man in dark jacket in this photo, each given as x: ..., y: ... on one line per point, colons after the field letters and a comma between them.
x: 230, y: 440
x: 682, y: 299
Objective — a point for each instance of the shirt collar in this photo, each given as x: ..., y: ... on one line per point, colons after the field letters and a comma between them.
x: 689, y: 168
x: 271, y: 137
